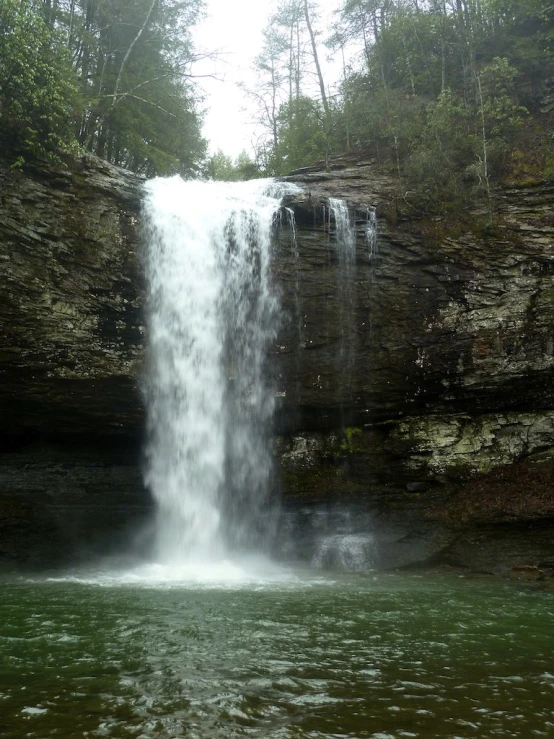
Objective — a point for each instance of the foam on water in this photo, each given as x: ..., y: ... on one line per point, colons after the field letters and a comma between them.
x: 252, y: 573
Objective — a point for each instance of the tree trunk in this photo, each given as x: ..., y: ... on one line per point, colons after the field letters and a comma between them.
x: 297, y: 79
x: 443, y: 48
x: 291, y: 65
x: 485, y: 148
x: 130, y: 49
x: 274, y: 105
x: 316, y: 60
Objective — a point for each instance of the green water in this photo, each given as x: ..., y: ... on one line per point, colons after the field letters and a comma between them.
x: 301, y: 656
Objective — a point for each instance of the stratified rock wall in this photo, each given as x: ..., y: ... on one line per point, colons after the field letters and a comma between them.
x: 71, y: 348
x: 70, y: 320
x: 452, y: 383
x: 443, y: 322
x: 445, y: 391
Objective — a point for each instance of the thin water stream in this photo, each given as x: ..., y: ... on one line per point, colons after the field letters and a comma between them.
x: 275, y: 656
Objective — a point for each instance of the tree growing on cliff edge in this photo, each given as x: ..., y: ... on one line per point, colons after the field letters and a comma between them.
x: 296, y: 114
x: 440, y: 89
x: 38, y: 89
x: 133, y: 59
x: 113, y: 76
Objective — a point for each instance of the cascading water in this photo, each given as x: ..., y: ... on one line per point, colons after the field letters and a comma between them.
x: 345, y: 246
x: 344, y: 240
x: 212, y: 314
x: 345, y: 552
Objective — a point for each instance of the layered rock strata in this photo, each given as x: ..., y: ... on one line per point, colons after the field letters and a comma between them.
x: 434, y: 432
x: 71, y: 351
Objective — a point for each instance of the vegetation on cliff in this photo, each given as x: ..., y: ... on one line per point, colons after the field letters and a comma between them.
x: 38, y: 91
x: 450, y: 94
x: 111, y: 77
x: 445, y: 92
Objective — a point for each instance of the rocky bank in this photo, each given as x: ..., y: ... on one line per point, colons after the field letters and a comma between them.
x: 416, y: 402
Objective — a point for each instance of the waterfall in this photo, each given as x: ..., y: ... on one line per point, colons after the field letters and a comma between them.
x: 345, y: 248
x: 345, y: 552
x: 343, y: 238
x: 212, y: 312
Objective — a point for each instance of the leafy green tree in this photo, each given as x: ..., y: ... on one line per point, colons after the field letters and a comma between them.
x: 133, y: 58
x: 113, y: 74
x: 221, y: 167
x: 302, y: 135
x: 247, y: 168
x: 463, y: 143
x: 436, y: 168
x: 38, y: 88
x: 289, y: 65
x: 501, y: 113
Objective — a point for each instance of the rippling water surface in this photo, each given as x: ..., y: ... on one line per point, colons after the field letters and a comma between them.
x: 284, y: 655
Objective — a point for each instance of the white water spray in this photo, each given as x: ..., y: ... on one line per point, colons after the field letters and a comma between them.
x: 212, y: 314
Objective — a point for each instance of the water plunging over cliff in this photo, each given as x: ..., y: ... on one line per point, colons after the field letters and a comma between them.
x: 342, y: 231
x: 212, y: 314
x: 345, y: 248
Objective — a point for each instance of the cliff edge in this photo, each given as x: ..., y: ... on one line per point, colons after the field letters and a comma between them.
x: 419, y: 396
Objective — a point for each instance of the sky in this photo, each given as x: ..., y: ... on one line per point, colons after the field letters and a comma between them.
x: 233, y: 28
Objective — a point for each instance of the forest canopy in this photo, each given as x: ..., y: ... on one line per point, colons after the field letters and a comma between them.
x: 441, y: 91
x: 110, y: 77
x: 447, y: 93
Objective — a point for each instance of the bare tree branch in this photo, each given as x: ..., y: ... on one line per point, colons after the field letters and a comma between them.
x: 130, y: 49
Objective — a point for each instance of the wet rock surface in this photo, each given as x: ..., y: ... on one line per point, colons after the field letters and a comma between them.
x: 70, y: 305
x: 71, y: 347
x: 430, y: 429
x: 69, y: 502
x: 443, y: 424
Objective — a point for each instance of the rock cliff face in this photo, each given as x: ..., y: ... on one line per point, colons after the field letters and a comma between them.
x: 71, y: 346
x: 446, y: 409
x: 70, y: 301
x: 415, y: 400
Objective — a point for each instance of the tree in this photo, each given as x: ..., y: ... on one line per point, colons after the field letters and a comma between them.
x: 283, y: 70
x: 134, y: 59
x: 247, y: 168
x: 221, y: 167
x: 113, y: 74
x: 38, y: 89
x: 436, y: 167
x: 302, y: 135
x: 280, y: 69
x: 270, y: 91
x: 322, y: 92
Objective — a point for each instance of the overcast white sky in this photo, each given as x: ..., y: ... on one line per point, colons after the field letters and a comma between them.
x: 234, y: 29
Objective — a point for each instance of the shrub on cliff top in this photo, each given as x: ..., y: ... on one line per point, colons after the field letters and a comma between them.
x: 38, y: 88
